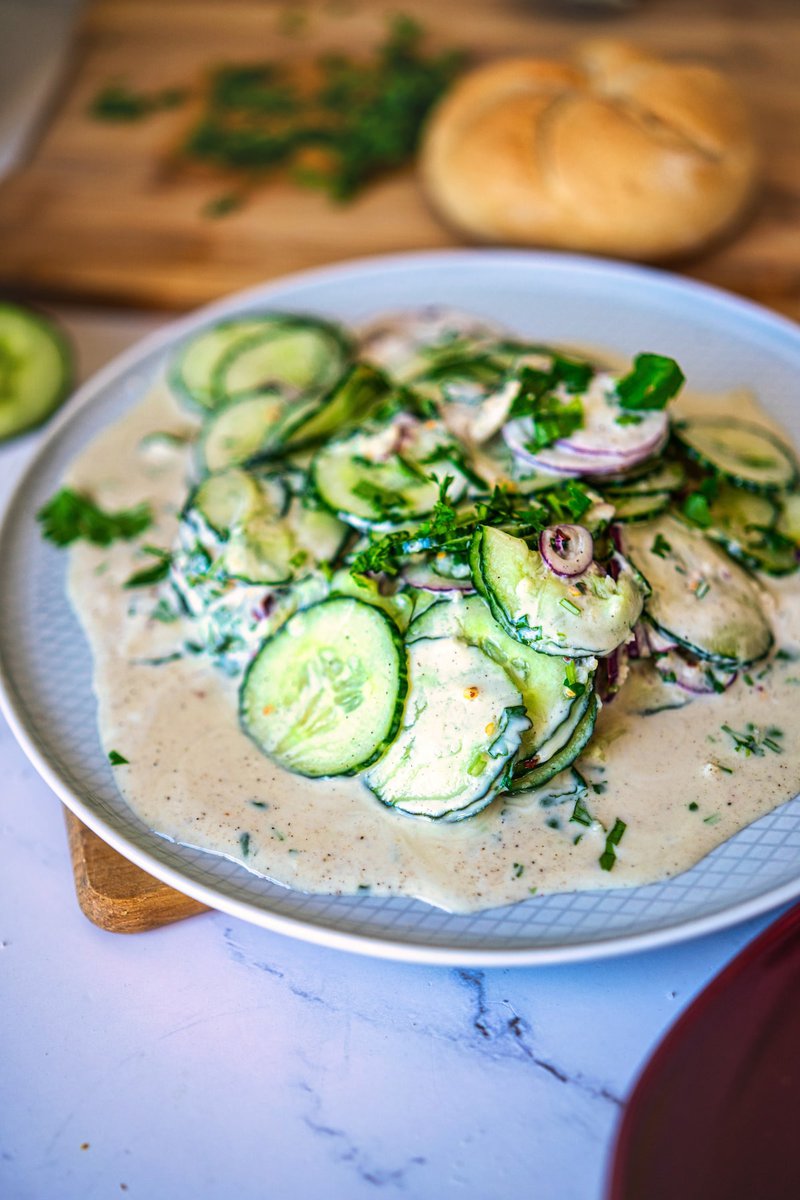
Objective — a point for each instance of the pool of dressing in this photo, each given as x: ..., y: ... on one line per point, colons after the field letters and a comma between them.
x: 674, y: 777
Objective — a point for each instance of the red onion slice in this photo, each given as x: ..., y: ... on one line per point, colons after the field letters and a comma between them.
x: 567, y: 549
x: 557, y: 458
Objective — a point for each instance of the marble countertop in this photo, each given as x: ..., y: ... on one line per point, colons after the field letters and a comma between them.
x: 215, y: 1059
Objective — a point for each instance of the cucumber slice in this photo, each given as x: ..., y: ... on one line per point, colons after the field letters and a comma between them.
x: 262, y: 550
x: 741, y: 451
x: 228, y: 498
x: 744, y: 523
x: 353, y: 397
x: 317, y: 532
x: 590, y: 614
x: 324, y: 695
x: 289, y: 355
x: 667, y: 477
x: 239, y: 432
x: 462, y: 726
x: 539, y: 678
x: 639, y: 506
x: 381, y: 478
x: 528, y: 780
x: 568, y: 785
x: 36, y: 369
x: 190, y: 374
x: 700, y: 598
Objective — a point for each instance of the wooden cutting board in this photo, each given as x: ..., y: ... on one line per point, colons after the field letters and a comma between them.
x: 105, y: 211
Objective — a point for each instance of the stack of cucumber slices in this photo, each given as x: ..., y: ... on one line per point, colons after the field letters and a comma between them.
x: 433, y: 553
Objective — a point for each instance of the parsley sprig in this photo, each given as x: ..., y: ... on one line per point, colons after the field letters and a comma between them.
x: 71, y: 516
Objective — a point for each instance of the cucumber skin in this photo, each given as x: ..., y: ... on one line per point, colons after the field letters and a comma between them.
x: 563, y: 758
x: 740, y: 480
x: 400, y: 700
x: 66, y: 355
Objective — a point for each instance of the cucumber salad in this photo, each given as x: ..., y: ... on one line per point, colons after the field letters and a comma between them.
x: 427, y: 559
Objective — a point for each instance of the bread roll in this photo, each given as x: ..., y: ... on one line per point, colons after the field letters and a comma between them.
x: 616, y: 152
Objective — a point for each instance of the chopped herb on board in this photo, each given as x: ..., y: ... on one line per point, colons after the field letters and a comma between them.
x: 354, y: 122
x: 70, y: 516
x: 116, y: 759
x: 613, y: 839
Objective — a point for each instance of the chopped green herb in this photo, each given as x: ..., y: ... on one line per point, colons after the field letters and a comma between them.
x: 244, y: 842
x: 116, y: 759
x: 712, y: 820
x: 613, y: 839
x: 660, y: 546
x: 70, y: 516
x: 581, y: 814
x: 694, y: 806
x: 518, y: 869
x: 116, y: 102
x: 755, y: 741
x: 222, y: 205
x: 154, y: 574
x: 571, y: 683
x: 533, y: 890
x: 651, y: 384
x: 569, y: 606
x: 259, y: 804
x: 702, y: 589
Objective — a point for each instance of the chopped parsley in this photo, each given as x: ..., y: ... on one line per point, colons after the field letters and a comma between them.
x: 660, y: 547
x: 153, y: 574
x: 116, y: 759
x: 613, y: 839
x: 70, y: 516
x: 117, y: 102
x: 651, y: 383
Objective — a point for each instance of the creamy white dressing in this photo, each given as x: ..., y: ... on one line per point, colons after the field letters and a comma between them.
x: 195, y: 777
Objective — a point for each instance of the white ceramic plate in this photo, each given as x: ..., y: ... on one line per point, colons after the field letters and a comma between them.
x: 45, y: 668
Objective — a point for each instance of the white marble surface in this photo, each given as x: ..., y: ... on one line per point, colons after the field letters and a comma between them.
x: 214, y: 1059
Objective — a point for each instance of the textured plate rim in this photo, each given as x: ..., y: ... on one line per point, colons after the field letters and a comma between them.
x: 381, y: 945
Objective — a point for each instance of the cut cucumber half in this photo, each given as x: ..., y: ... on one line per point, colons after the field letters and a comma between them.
x: 700, y: 598
x: 324, y: 695
x: 462, y: 726
x: 190, y: 374
x: 541, y: 679
x: 381, y: 478
x: 525, y: 780
x: 589, y: 614
x: 290, y: 355
x: 741, y: 451
x: 36, y: 369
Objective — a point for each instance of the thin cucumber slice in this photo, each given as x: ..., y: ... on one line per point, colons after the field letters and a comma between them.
x: 240, y: 432
x: 290, y: 355
x: 669, y: 476
x: 741, y: 451
x: 640, y: 506
x: 353, y: 397
x: 400, y: 606
x: 744, y: 523
x: 381, y: 478
x: 318, y: 534
x: 190, y: 373
x: 541, y: 679
x: 324, y: 695
x: 589, y: 614
x: 700, y: 598
x: 227, y: 498
x: 462, y: 726
x: 526, y: 780
x: 262, y: 550
x: 36, y: 369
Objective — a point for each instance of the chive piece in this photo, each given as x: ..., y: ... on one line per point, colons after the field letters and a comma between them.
x: 244, y: 842
x: 609, y: 857
x: 116, y: 759
x: 660, y: 546
x: 569, y: 606
x: 581, y: 814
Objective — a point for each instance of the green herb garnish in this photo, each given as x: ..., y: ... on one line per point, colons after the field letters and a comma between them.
x: 613, y: 839
x: 116, y: 759
x: 755, y: 741
x: 651, y: 384
x: 154, y: 574
x: 70, y: 516
x: 117, y: 102
x: 660, y: 546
